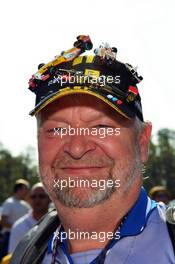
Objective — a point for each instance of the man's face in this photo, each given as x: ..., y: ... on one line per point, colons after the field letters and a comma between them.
x: 39, y: 200
x: 114, y: 159
x: 161, y: 197
x: 24, y: 192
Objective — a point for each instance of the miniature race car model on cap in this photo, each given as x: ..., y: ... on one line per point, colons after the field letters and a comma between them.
x: 99, y: 74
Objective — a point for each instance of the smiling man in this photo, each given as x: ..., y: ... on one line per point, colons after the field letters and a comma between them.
x: 103, y: 215
x: 80, y: 157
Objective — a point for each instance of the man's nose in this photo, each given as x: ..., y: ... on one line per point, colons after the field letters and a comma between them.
x: 79, y: 145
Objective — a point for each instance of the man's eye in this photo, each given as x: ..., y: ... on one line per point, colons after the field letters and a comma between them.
x: 54, y: 130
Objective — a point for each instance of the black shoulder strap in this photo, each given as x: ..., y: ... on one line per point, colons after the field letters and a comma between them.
x: 32, y: 247
x: 171, y: 230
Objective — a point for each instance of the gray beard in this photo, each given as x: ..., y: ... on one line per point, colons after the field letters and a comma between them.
x: 94, y: 196
x: 90, y: 198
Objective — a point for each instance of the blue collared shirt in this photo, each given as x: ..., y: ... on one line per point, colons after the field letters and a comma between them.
x: 144, y: 239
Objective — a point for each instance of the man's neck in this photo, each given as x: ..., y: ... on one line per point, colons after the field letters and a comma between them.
x: 37, y: 215
x: 17, y: 196
x: 105, y: 217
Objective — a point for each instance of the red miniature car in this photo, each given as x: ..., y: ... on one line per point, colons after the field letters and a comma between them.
x: 83, y: 43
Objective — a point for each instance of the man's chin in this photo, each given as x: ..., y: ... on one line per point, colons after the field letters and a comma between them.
x: 82, y: 197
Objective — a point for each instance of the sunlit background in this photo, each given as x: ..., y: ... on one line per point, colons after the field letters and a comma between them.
x: 35, y: 31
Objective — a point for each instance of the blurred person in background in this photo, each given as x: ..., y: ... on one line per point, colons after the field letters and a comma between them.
x: 39, y: 201
x: 160, y: 194
x: 13, y: 208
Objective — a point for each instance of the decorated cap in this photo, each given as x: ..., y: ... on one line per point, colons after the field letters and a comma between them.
x: 99, y: 74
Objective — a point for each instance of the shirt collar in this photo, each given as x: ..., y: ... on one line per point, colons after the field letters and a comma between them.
x: 135, y: 220
x: 138, y: 215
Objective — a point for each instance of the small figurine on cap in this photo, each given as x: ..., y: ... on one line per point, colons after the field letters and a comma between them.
x: 134, y: 73
x: 106, y: 53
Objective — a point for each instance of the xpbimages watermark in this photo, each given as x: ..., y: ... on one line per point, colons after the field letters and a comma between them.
x: 84, y: 235
x: 102, y: 132
x: 80, y: 78
x: 102, y: 184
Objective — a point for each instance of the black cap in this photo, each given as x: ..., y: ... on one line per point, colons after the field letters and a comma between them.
x: 100, y: 75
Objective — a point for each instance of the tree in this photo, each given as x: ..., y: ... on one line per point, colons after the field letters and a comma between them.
x: 13, y: 168
x: 161, y: 163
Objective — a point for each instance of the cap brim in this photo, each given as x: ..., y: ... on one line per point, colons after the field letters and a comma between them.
x: 67, y: 91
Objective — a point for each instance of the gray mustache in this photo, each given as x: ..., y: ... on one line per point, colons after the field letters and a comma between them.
x: 88, y: 162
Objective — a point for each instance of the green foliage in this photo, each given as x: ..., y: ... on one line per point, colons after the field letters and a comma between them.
x: 161, y: 164
x: 13, y: 168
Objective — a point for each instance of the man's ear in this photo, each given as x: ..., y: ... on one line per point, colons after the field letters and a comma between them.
x: 144, y: 140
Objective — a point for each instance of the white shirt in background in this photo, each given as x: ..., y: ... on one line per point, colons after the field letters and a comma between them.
x: 19, y: 229
x: 14, y: 209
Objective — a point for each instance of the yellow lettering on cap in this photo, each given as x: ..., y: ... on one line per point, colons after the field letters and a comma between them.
x: 78, y: 60
x: 91, y: 72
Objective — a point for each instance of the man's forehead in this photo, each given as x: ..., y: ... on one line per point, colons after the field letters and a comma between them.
x: 87, y: 106
x: 38, y: 190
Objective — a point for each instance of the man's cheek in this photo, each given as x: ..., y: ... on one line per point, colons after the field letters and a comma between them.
x: 45, y: 144
x: 47, y: 152
x: 47, y: 178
